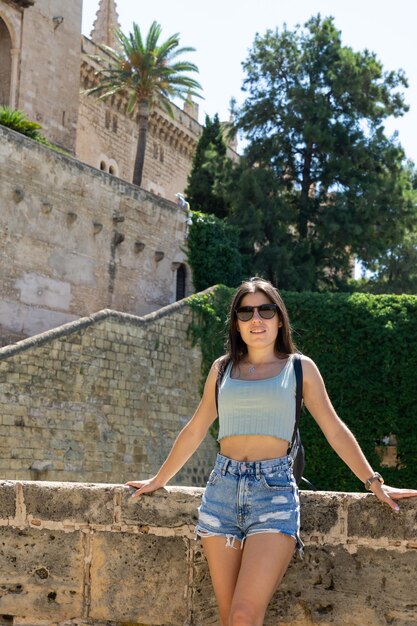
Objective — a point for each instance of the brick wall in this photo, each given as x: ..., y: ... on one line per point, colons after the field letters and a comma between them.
x: 101, y: 399
x: 83, y: 555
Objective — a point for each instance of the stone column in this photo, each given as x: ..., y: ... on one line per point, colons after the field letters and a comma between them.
x: 14, y: 53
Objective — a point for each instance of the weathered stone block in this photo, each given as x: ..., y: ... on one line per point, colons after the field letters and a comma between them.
x: 333, y: 586
x: 133, y: 578
x: 167, y: 507
x: 69, y: 502
x: 204, y: 604
x: 314, y: 516
x: 7, y: 500
x: 366, y: 519
x: 41, y: 573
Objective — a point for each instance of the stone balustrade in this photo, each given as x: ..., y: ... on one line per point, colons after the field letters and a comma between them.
x: 84, y: 554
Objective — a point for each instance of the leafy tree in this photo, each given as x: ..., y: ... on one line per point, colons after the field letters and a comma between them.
x: 148, y: 71
x: 329, y: 183
x: 395, y: 271
x: 212, y: 252
x: 209, y: 171
x: 264, y: 217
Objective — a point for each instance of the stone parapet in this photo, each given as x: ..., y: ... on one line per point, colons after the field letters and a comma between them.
x: 84, y: 554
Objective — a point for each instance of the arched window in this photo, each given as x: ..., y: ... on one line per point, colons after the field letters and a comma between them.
x: 113, y: 168
x: 181, y: 280
x: 5, y: 63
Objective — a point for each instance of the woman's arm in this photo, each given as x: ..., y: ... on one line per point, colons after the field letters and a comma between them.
x: 187, y: 441
x: 340, y: 437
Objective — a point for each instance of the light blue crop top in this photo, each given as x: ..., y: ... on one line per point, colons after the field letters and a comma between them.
x: 258, y: 407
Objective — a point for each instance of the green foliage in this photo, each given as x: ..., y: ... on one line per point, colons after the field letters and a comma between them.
x: 366, y: 348
x: 268, y: 240
x: 326, y: 182
x: 395, y: 271
x: 212, y: 252
x: 17, y: 121
x: 209, y: 328
x: 209, y: 170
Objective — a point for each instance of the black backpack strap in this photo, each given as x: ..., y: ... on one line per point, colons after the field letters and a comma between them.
x: 223, y: 363
x: 298, y: 370
x: 296, y: 439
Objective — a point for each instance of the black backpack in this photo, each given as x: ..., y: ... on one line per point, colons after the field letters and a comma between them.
x: 296, y: 449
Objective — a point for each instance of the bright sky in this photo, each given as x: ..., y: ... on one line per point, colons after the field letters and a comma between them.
x: 222, y: 32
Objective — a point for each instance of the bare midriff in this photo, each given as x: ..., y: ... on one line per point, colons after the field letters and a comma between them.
x: 253, y: 447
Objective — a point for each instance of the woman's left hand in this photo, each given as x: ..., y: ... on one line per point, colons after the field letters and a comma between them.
x: 388, y: 495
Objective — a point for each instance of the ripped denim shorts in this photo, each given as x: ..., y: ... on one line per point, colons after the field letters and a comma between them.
x: 243, y: 498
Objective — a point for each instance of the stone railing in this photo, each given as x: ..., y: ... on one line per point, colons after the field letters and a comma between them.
x: 83, y: 554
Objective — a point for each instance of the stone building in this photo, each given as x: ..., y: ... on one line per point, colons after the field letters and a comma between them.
x: 39, y: 63
x: 74, y: 240
x: 44, y: 71
x: 64, y: 249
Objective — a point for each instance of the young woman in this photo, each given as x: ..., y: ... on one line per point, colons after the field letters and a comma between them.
x: 249, y: 518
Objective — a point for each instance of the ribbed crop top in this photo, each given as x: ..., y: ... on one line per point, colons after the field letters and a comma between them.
x: 258, y: 407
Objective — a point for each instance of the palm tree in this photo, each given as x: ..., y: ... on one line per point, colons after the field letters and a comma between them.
x: 150, y: 73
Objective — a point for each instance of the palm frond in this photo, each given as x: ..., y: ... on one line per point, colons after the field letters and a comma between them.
x: 175, y: 53
x: 144, y: 69
x: 153, y: 36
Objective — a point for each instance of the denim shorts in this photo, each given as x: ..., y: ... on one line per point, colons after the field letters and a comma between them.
x: 244, y: 498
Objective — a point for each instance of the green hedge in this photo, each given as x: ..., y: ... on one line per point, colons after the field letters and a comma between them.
x: 366, y: 349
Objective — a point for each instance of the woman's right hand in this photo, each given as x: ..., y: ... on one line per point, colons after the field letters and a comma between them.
x: 145, y: 486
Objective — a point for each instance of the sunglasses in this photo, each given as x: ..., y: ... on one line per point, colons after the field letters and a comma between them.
x: 266, y: 311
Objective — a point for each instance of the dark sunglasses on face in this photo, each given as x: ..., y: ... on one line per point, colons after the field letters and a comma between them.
x: 266, y: 311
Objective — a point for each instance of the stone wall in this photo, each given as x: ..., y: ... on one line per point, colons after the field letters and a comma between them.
x: 101, y: 399
x: 73, y: 554
x: 74, y: 240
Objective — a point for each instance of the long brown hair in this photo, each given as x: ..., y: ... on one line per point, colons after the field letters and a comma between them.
x: 284, y: 343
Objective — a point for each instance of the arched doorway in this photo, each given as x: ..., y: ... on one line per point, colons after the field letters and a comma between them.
x: 181, y: 282
x: 5, y: 63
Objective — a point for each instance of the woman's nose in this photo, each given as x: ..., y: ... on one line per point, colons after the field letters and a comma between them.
x: 256, y: 315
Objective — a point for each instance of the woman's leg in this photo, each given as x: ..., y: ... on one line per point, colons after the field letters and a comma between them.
x: 224, y: 565
x: 245, y: 580
x: 265, y: 559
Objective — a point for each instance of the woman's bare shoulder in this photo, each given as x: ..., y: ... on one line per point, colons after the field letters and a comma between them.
x: 310, y: 369
x: 220, y: 363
